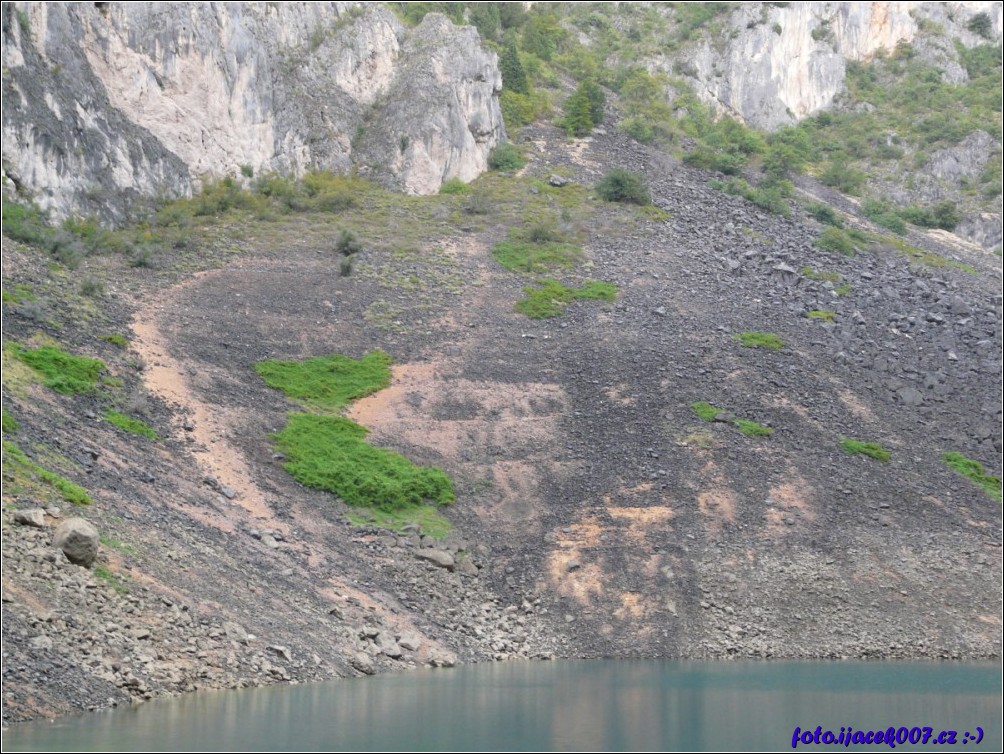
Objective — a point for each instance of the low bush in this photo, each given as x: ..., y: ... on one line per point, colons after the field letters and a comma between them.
x: 766, y: 340
x: 621, y: 185
x: 506, y: 157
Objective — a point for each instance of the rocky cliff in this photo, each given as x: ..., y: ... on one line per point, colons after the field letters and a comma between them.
x: 775, y: 63
x: 106, y: 102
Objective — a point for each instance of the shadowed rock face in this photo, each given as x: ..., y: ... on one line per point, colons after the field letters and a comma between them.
x: 108, y: 104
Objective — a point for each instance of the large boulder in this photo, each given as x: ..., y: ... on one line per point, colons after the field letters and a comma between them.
x: 79, y: 540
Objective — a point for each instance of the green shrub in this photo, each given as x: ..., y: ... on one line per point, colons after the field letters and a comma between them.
x: 752, y: 428
x: 521, y: 253
x: 550, y: 298
x: 859, y: 447
x: 840, y: 175
x: 705, y: 411
x: 61, y: 371
x: 454, y: 186
x: 834, y: 239
x: 974, y: 471
x: 882, y: 213
x: 823, y: 213
x: 10, y: 425
x: 506, y: 157
x: 116, y: 339
x: 129, y: 424
x: 826, y: 315
x: 347, y: 243
x: 327, y: 383
x: 25, y: 223
x: 982, y: 25
x: 766, y: 340
x: 621, y: 185
x: 92, y: 287
x: 330, y: 453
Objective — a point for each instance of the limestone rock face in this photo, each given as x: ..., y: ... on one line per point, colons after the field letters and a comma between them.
x: 776, y: 65
x: 109, y: 102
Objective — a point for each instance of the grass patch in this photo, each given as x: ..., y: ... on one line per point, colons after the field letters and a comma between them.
x: 859, y: 447
x: 327, y: 383
x: 705, y: 411
x: 115, y: 544
x: 26, y: 476
x: 843, y: 290
x: 330, y: 453
x: 752, y: 428
x: 129, y: 424
x: 114, y: 580
x: 974, y: 471
x: 826, y: 315
x: 61, y: 371
x: 116, y: 339
x: 10, y: 425
x: 520, y: 253
x: 551, y: 297
x: 22, y: 292
x: 766, y: 340
x: 433, y: 523
x: 821, y: 276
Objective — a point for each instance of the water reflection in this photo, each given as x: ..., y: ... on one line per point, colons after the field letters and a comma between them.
x: 589, y: 706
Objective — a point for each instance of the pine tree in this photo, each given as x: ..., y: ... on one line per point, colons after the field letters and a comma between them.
x: 513, y: 75
x: 578, y: 121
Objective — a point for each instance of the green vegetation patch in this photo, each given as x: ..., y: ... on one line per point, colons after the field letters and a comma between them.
x: 26, y: 476
x: 116, y: 339
x: 621, y: 185
x: 114, y: 580
x: 522, y: 253
x: 974, y: 471
x: 753, y: 429
x: 22, y: 292
x: 825, y: 315
x: 859, y: 447
x: 506, y: 157
x: 760, y: 340
x: 454, y: 186
x: 551, y: 297
x: 330, y: 453
x: 130, y: 424
x: 705, y: 411
x: 432, y: 522
x: 327, y: 383
x: 10, y: 425
x: 61, y: 371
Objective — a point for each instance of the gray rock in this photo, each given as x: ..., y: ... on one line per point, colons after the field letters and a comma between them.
x: 410, y: 642
x: 440, y: 658
x: 440, y: 558
x: 31, y: 517
x: 363, y: 663
x: 78, y: 539
x: 235, y: 632
x: 557, y: 181
x: 910, y: 396
x: 281, y: 651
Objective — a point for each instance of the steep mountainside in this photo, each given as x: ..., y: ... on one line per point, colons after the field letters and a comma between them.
x: 691, y: 390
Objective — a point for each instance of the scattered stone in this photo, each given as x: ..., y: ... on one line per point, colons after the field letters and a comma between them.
x: 79, y: 540
x: 440, y: 558
x: 281, y: 651
x: 363, y: 663
x: 31, y: 517
x: 557, y: 181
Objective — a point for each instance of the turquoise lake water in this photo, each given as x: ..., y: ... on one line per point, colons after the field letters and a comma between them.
x: 560, y: 706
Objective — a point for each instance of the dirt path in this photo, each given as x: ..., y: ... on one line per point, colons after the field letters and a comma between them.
x: 202, y: 423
